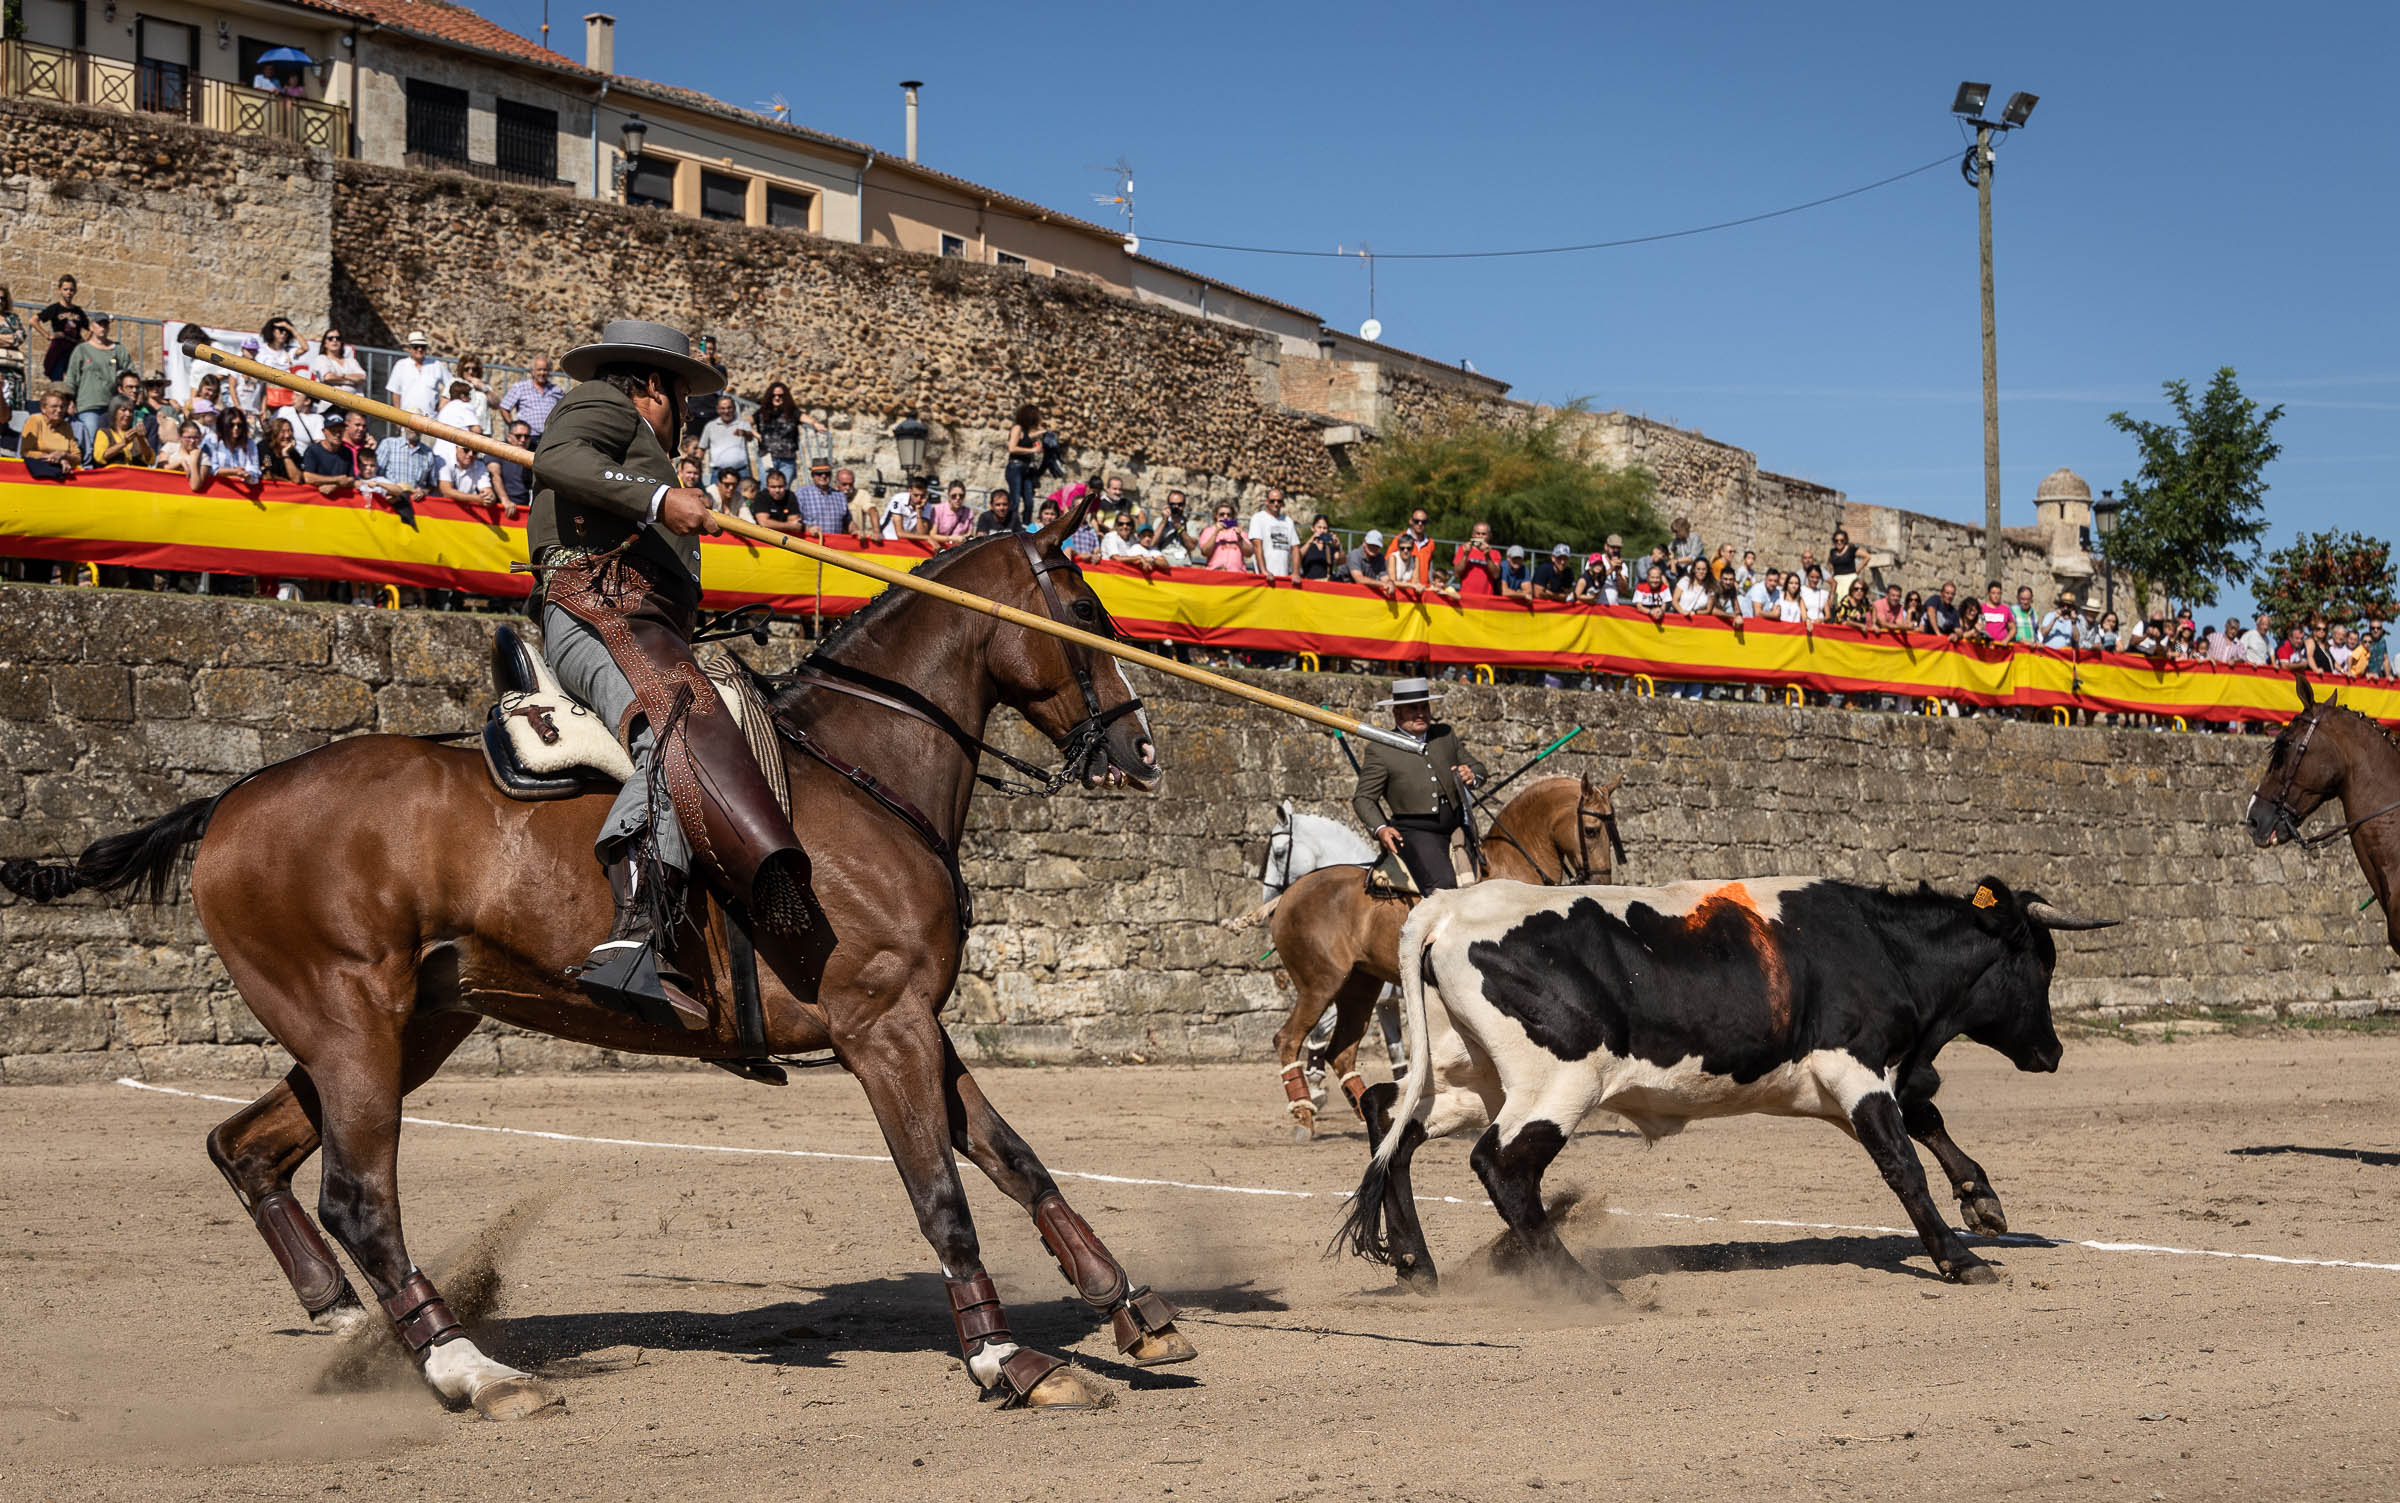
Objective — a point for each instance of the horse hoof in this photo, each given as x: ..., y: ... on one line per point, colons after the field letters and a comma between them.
x: 1419, y: 1278
x: 1973, y: 1273
x: 1070, y: 1388
x: 515, y: 1398
x: 1162, y: 1346
x: 1303, y: 1132
x: 1983, y: 1214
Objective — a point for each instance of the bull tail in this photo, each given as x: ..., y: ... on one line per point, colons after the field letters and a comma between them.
x: 1255, y: 916
x: 143, y: 859
x: 1363, y: 1228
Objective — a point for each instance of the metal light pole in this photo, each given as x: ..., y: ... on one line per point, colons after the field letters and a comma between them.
x: 2104, y: 522
x: 1977, y: 168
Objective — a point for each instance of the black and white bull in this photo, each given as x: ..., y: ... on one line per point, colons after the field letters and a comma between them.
x: 1800, y: 997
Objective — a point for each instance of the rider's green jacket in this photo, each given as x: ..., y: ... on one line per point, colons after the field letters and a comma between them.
x: 599, y: 475
x: 1422, y: 785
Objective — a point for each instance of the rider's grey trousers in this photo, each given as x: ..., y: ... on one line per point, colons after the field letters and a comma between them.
x: 585, y: 670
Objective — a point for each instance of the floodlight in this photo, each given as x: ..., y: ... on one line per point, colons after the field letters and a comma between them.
x: 2020, y: 105
x: 1970, y: 100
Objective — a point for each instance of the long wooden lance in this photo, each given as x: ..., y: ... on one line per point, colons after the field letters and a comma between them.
x: 856, y: 564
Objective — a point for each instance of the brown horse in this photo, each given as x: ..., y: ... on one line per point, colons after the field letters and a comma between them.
x: 2331, y: 752
x: 377, y: 897
x: 1337, y: 940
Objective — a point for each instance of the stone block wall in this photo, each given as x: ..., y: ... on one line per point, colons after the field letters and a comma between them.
x: 863, y: 334
x: 1098, y: 913
x: 162, y: 219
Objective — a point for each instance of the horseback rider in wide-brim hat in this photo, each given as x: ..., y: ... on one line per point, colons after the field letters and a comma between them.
x: 1413, y: 801
x: 616, y: 544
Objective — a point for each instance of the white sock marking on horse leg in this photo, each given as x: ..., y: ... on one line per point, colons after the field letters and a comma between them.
x: 984, y: 1366
x: 458, y: 1370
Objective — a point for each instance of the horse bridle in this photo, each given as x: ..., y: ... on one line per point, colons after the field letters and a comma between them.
x: 1583, y: 851
x: 1083, y: 739
x: 2280, y: 805
x: 1266, y: 862
x: 1076, y: 747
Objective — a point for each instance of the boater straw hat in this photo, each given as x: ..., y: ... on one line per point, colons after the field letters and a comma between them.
x: 1409, y: 691
x: 638, y: 342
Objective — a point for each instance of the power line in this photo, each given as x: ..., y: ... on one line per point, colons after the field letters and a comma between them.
x: 1944, y: 160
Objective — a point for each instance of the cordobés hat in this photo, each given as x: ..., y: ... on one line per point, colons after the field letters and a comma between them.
x: 1409, y: 691
x: 638, y: 342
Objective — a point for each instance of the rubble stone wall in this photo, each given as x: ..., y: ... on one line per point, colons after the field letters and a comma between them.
x: 1098, y: 933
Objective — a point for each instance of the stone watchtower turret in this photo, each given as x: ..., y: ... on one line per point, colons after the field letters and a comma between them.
x: 2062, y: 514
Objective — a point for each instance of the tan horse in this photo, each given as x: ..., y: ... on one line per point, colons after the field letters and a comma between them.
x: 1337, y: 940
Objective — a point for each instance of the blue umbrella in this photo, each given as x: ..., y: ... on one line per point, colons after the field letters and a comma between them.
x: 288, y: 55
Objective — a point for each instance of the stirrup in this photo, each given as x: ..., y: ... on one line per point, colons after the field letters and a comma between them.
x: 624, y: 974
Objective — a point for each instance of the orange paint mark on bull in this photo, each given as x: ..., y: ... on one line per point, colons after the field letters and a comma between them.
x: 1735, y: 898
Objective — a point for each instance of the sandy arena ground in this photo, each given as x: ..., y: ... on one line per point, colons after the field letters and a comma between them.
x: 734, y: 1326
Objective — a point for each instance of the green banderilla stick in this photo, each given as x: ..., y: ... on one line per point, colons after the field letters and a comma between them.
x: 1538, y: 757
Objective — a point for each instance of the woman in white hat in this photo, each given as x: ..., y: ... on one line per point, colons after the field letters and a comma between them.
x: 1412, y: 801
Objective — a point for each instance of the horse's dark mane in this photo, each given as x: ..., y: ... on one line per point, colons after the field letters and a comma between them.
x: 779, y: 686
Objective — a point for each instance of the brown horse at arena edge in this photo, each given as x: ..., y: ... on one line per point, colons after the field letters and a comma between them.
x: 1337, y: 940
x: 2329, y: 751
x: 377, y: 897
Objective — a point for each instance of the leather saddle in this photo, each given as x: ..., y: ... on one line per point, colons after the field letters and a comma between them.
x: 540, y: 742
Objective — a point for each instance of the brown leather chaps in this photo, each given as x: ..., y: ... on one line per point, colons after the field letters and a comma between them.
x: 742, y: 844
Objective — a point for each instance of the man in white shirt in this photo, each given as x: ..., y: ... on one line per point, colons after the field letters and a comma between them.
x: 2258, y: 649
x: 725, y: 439
x: 475, y: 482
x: 1277, y: 539
x: 419, y: 383
x: 1759, y: 598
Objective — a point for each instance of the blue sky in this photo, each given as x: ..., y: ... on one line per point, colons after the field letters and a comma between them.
x: 2202, y: 185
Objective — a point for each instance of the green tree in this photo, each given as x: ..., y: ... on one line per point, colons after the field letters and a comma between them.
x: 2344, y: 577
x: 1523, y: 478
x: 2193, y: 518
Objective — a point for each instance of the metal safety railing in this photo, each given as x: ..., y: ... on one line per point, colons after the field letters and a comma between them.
x: 66, y: 75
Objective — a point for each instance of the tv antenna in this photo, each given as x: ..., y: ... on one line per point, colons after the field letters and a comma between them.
x: 1120, y: 198
x: 778, y: 106
x: 1372, y: 329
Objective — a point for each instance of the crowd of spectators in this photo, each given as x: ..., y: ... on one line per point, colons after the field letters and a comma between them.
x: 771, y: 461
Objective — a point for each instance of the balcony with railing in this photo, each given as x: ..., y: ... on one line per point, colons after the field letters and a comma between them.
x: 29, y: 70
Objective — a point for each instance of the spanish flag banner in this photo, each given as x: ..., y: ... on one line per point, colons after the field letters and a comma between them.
x: 151, y: 519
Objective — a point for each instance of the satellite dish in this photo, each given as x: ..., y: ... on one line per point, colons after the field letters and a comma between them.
x: 1371, y: 330
x: 1133, y: 245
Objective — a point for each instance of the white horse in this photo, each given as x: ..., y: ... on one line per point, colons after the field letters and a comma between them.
x: 1300, y: 844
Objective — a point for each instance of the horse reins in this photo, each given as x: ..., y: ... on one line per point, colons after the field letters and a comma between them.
x: 1583, y: 852
x: 1077, y: 746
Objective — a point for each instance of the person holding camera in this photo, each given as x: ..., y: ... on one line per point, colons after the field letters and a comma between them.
x: 1025, y: 457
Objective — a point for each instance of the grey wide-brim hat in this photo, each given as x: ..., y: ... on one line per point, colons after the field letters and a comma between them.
x: 640, y: 342
x: 1409, y: 691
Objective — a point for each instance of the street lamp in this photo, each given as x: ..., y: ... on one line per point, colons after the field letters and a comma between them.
x: 630, y: 137
x: 2104, y: 522
x: 1976, y: 167
x: 910, y: 434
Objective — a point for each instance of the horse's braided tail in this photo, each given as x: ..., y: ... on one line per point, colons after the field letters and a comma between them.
x: 143, y: 858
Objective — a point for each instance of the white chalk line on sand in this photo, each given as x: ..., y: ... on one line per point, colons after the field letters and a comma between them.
x: 2152, y: 1249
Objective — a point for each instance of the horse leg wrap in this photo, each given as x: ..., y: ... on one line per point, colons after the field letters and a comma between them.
x: 975, y: 1311
x: 420, y: 1316
x: 1097, y: 1277
x: 1354, y: 1086
x: 301, y: 1250
x: 1087, y: 1265
x: 1295, y: 1089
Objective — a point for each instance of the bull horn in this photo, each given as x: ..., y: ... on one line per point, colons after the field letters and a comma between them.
x: 2051, y: 918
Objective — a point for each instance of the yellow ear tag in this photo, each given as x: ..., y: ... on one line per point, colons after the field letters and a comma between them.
x: 1984, y: 898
